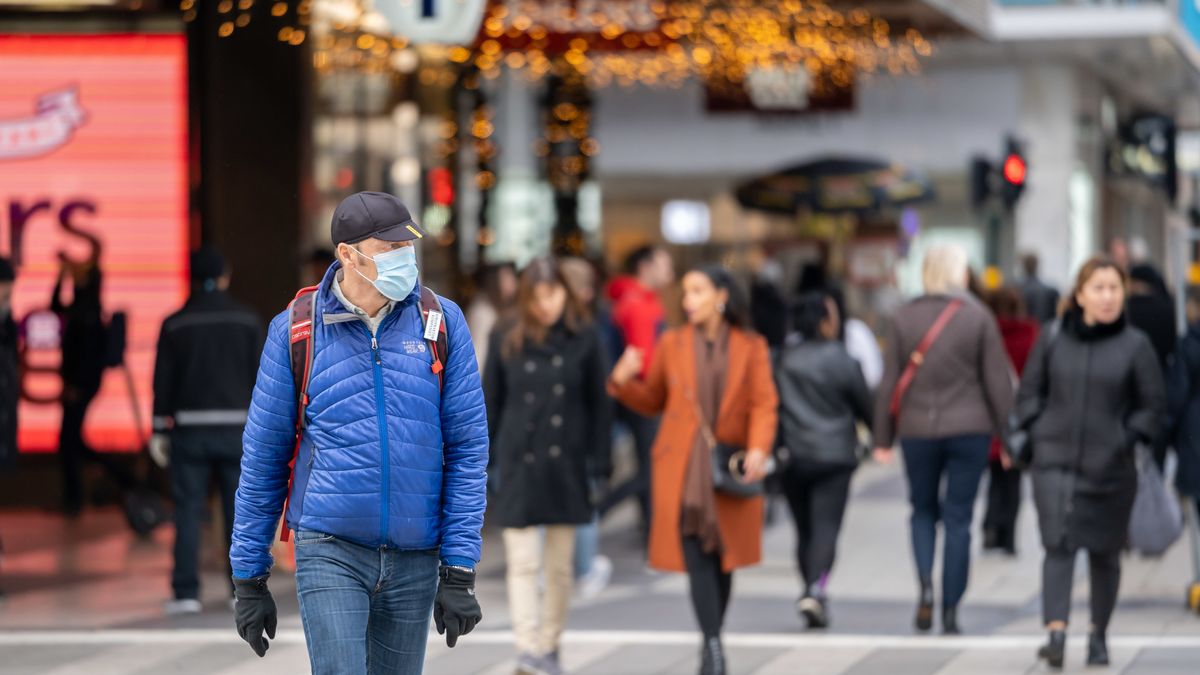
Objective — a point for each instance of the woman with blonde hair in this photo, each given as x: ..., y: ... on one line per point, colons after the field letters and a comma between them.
x: 947, y: 388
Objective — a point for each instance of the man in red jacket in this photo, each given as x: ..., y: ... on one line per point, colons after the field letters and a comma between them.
x: 640, y: 318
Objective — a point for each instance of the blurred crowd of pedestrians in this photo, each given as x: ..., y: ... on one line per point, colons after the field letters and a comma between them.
x: 761, y: 392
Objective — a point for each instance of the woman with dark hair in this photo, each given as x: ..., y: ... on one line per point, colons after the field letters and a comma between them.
x: 823, y: 397
x: 1092, y: 391
x: 1004, y: 483
x: 548, y: 422
x: 711, y: 379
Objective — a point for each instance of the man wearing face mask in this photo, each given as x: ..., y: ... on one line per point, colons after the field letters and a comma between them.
x: 388, y: 492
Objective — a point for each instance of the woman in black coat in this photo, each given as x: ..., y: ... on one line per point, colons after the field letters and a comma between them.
x: 1091, y: 391
x: 822, y: 399
x: 548, y: 422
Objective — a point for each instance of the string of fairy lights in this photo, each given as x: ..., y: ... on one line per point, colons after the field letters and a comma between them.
x: 623, y: 42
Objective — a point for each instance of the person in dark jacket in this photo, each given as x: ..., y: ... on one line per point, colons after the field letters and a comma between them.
x: 1041, y: 300
x: 1092, y: 390
x: 389, y: 488
x: 958, y: 399
x: 10, y: 381
x: 1183, y: 403
x: 84, y: 344
x: 1019, y: 333
x: 10, y: 384
x: 823, y: 397
x: 1152, y: 310
x: 204, y: 373
x: 548, y: 422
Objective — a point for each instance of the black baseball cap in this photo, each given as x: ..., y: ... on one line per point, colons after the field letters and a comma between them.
x: 373, y: 215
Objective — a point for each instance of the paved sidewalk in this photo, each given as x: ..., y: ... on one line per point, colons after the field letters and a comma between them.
x: 95, y: 607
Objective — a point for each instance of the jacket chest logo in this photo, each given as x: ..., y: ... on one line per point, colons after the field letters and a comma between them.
x: 414, y: 347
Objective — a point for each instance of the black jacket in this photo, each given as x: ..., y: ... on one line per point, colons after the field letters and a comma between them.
x: 208, y: 355
x: 1183, y: 404
x: 84, y: 337
x: 1098, y: 393
x: 10, y: 391
x: 1041, y: 301
x: 549, y: 422
x: 1154, y: 315
x: 822, y: 395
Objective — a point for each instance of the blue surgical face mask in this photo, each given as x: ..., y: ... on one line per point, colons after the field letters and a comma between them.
x: 397, y: 272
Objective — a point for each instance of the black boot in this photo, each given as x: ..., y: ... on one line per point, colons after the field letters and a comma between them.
x: 712, y: 657
x: 991, y: 538
x: 924, y: 620
x: 950, y: 621
x: 1097, y: 649
x: 1052, y: 651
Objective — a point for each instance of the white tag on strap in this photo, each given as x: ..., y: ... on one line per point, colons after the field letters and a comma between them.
x: 433, y: 324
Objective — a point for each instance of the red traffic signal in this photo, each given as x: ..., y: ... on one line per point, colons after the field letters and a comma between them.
x: 1015, y: 169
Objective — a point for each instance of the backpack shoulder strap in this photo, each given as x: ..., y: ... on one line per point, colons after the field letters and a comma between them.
x: 300, y: 352
x: 435, y: 333
x: 300, y: 346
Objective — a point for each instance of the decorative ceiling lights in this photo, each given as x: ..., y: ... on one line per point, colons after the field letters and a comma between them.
x: 667, y: 41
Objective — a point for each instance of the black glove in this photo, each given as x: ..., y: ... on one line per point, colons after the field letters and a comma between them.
x: 456, y: 611
x: 254, y: 612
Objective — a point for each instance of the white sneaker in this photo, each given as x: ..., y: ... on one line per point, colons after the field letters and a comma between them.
x: 596, y: 580
x: 182, y: 606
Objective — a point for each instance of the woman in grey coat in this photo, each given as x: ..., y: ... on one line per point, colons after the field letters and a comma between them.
x: 1091, y: 391
x: 958, y: 399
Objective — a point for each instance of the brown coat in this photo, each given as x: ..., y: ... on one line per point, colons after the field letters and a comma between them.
x: 965, y: 384
x: 747, y: 418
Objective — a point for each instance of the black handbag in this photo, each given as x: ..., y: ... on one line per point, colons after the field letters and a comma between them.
x: 727, y: 464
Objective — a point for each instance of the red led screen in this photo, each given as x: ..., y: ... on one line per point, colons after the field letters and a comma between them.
x: 93, y: 151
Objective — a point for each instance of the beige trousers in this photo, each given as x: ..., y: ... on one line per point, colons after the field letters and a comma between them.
x: 528, y: 553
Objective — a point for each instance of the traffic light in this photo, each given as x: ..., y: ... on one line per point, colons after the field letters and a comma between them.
x: 1006, y: 180
x: 1013, y: 173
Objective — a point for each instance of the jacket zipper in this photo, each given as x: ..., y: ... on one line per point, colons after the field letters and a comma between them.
x: 381, y: 415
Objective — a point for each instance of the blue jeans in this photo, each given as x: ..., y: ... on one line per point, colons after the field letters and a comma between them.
x: 364, y: 610
x: 961, y: 459
x: 587, y: 543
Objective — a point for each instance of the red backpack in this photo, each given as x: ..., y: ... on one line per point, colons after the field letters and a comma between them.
x: 300, y: 314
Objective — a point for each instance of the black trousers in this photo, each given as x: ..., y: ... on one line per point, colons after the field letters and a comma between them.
x: 1058, y: 574
x: 710, y: 587
x: 817, y: 494
x: 199, y: 455
x: 73, y: 452
x: 1003, y: 504
x: 644, y: 429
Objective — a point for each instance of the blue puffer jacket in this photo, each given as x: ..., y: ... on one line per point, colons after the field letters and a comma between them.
x: 385, y: 459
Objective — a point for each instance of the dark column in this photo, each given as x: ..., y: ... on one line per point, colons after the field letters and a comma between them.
x: 251, y: 108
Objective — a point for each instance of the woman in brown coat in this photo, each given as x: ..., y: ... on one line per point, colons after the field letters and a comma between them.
x: 712, y: 372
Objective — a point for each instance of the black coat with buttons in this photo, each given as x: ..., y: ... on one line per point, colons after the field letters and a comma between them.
x: 549, y: 422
